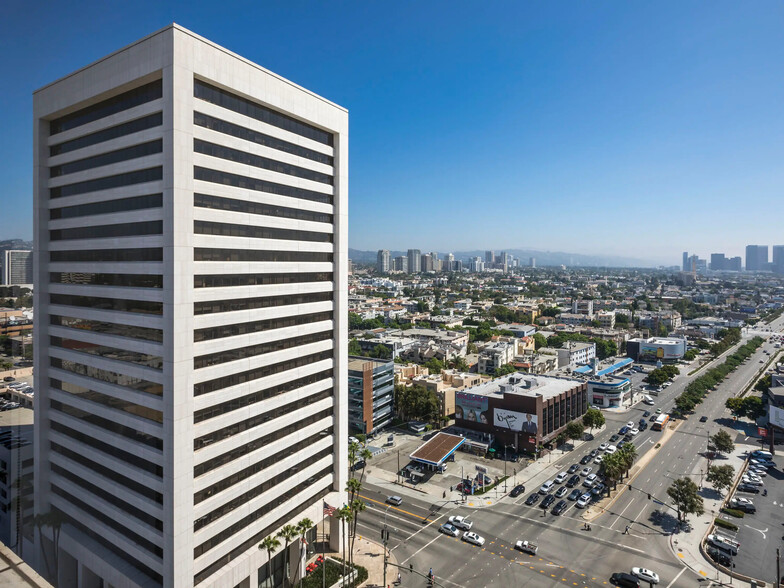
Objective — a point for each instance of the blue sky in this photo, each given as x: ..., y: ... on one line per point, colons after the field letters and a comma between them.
x: 639, y: 129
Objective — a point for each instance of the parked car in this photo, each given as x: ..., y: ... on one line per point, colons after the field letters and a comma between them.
x: 561, y: 477
x: 622, y: 443
x: 724, y: 543
x: 561, y: 492
x: 643, y: 426
x: 585, y: 459
x: 473, y: 538
x: 573, y: 481
x: 598, y: 460
x: 614, y: 438
x: 748, y: 488
x: 719, y: 556
x: 532, y: 499
x: 598, y: 489
x: 9, y: 379
x: 584, y: 500
x: 448, y: 529
x: 561, y: 507
x: 603, y: 446
x: 646, y: 414
x: 573, y: 468
x: 744, y: 504
x: 574, y: 494
x: 546, y: 487
x: 594, y: 453
x: 586, y: 471
x: 703, y: 419
x: 634, y: 432
x: 548, y: 500
x: 590, y: 481
x: 611, y: 449
x: 623, y: 430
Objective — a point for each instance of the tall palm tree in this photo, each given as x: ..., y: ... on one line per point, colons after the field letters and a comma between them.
x: 628, y: 454
x: 287, y: 533
x: 357, y: 506
x: 344, y: 516
x: 613, y: 466
x: 303, y: 527
x: 271, y: 544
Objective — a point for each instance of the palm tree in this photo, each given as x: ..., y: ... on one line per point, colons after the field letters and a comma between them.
x: 303, y: 527
x: 344, y: 515
x: 628, y: 454
x: 613, y: 466
x: 271, y: 544
x: 357, y: 506
x: 287, y: 533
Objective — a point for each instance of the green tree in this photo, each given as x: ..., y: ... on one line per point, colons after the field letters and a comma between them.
x: 722, y: 441
x: 354, y: 347
x: 753, y: 407
x: 593, y: 418
x: 628, y: 454
x: 735, y: 405
x: 613, y: 466
x: 381, y: 352
x: 575, y: 430
x: 458, y: 363
x: 271, y: 544
x: 720, y: 477
x: 434, y: 365
x: 690, y: 355
x: 539, y: 341
x: 685, y: 497
x: 505, y: 370
x: 422, y: 306
x: 684, y: 403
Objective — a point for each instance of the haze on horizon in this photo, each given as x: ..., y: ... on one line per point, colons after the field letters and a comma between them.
x: 617, y: 129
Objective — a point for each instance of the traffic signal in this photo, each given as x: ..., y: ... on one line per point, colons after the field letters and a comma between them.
x: 410, y: 567
x: 649, y: 496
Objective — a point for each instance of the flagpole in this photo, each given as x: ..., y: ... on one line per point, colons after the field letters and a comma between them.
x: 323, y: 547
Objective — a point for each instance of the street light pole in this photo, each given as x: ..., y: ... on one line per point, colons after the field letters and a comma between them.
x: 504, y: 469
x: 385, y: 537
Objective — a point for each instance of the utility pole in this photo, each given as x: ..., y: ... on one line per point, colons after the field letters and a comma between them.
x: 504, y: 468
x: 385, y: 540
x: 778, y: 568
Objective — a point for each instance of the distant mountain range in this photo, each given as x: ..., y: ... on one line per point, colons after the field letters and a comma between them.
x: 543, y: 258
x: 15, y: 244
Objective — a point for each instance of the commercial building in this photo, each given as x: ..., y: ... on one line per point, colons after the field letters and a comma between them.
x: 382, y: 261
x: 414, y: 261
x: 191, y: 307
x: 400, y: 264
x: 16, y: 267
x: 666, y: 350
x: 756, y: 258
x: 609, y: 392
x: 520, y: 410
x: 778, y: 259
x: 371, y: 394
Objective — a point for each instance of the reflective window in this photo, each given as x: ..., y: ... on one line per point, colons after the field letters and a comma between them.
x: 257, y: 232
x: 259, y: 419
x: 107, y: 520
x: 293, y: 512
x: 230, y: 101
x: 108, y: 206
x: 257, y: 326
x: 204, y: 254
x: 247, y: 183
x: 257, y: 490
x: 222, y: 152
x: 124, y: 101
x: 109, y: 546
x: 120, y: 255
x: 234, y: 205
x: 140, y: 124
x: 211, y: 359
x: 122, y: 280
x: 245, y: 522
x: 133, y: 332
x: 107, y: 425
x: 230, y: 280
x: 141, y: 176
x: 108, y: 377
x: 106, y: 231
x: 108, y: 158
x: 255, y: 374
x: 227, y: 128
x: 117, y: 304
x: 258, y: 443
x: 110, y: 401
x: 129, y: 458
x: 109, y: 497
x: 113, y: 353
x: 215, y: 306
x: 261, y: 465
x: 249, y: 399
x: 109, y: 473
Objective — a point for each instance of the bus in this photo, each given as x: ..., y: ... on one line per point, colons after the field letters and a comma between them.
x: 660, y: 422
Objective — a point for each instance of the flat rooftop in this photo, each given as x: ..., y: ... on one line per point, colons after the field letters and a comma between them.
x: 16, y: 417
x: 357, y: 364
x: 525, y: 385
x: 437, y: 449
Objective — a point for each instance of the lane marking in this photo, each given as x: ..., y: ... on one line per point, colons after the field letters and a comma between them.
x: 676, y: 577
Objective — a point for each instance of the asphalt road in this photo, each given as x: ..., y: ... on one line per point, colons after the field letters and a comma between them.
x: 568, y: 555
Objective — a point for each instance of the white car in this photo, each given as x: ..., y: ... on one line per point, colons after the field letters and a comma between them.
x: 590, y: 480
x: 759, y: 472
x: 611, y: 449
x: 546, y: 487
x: 461, y: 523
x: 448, y: 529
x: 630, y: 424
x: 755, y: 481
x: 740, y: 501
x: 473, y: 538
x: 560, y: 478
x: 634, y: 432
x: 586, y: 471
x: 597, y: 459
x: 584, y: 500
x: 604, y: 446
x: 646, y: 575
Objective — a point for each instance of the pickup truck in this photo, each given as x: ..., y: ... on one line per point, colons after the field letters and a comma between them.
x: 527, y: 547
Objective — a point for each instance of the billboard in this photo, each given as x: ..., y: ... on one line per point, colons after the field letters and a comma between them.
x: 522, y: 422
x: 662, y: 349
x: 776, y: 416
x: 471, y: 407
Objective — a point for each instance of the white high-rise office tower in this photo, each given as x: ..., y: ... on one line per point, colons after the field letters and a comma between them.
x: 16, y: 267
x: 191, y: 313
x: 414, y: 261
x: 382, y: 261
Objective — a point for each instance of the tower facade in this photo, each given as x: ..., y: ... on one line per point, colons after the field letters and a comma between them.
x: 190, y: 210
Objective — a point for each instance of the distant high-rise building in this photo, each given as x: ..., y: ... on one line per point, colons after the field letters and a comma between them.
x: 734, y: 264
x: 449, y: 262
x: 778, y: 259
x: 489, y: 258
x: 16, y: 267
x: 686, y: 267
x: 718, y: 262
x: 191, y: 210
x: 756, y: 258
x: 426, y: 263
x: 382, y: 261
x: 477, y: 265
x: 400, y: 264
x: 414, y: 261
x: 532, y: 261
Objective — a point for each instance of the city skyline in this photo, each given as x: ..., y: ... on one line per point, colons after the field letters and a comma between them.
x: 602, y: 118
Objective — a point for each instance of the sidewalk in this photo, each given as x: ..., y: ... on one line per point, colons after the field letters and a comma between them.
x: 369, y: 555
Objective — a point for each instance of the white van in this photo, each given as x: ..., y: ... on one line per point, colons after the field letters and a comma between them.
x: 648, y: 400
